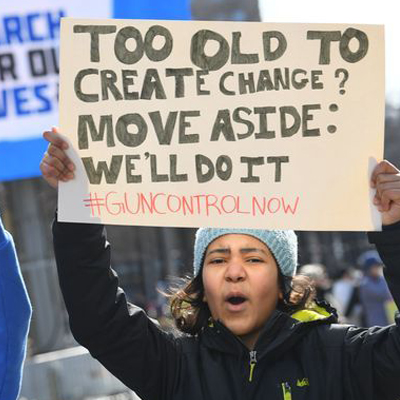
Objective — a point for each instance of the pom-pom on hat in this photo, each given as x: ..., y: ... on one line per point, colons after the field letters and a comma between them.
x: 282, y: 244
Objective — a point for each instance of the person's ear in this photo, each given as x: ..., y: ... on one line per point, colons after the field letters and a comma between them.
x: 204, y: 298
x: 280, y: 295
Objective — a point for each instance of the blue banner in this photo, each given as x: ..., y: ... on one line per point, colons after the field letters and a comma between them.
x: 29, y: 69
x: 152, y: 9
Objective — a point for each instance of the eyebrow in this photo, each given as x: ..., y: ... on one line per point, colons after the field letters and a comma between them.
x: 243, y: 251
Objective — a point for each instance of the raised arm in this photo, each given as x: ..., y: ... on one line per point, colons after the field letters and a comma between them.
x: 386, y: 180
x: 117, y: 333
x: 373, y: 355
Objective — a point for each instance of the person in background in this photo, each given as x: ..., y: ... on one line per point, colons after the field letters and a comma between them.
x: 320, y: 280
x: 344, y: 292
x: 374, y: 292
x: 15, y: 316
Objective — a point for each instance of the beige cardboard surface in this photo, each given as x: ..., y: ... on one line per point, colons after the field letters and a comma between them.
x: 176, y: 123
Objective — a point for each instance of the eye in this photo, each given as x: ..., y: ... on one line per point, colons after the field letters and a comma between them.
x: 217, y: 261
x: 255, y: 260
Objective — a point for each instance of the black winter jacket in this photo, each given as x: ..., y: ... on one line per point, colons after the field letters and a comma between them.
x: 292, y: 360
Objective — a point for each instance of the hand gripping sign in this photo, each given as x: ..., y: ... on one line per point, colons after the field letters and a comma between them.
x: 176, y: 123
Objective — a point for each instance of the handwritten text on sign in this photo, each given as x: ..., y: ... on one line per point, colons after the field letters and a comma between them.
x: 223, y: 124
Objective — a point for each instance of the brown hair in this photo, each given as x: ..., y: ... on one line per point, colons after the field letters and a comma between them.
x: 191, y: 313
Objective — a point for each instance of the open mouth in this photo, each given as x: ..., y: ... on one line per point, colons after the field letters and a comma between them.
x: 236, y: 300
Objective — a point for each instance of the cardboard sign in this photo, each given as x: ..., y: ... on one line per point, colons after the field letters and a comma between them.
x: 175, y: 123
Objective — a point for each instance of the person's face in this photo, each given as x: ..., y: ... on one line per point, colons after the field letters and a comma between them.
x: 240, y: 278
x: 375, y: 271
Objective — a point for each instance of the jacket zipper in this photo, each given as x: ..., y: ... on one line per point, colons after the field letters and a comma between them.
x: 287, y: 391
x: 253, y: 362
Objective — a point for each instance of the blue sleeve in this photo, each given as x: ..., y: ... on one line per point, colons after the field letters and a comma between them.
x: 15, y: 314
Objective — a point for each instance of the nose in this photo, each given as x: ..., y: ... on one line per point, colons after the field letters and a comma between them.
x: 235, y: 271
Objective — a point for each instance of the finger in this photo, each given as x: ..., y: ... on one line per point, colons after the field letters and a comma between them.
x: 54, y: 162
x: 390, y: 185
x: 44, y: 169
x: 384, y: 167
x: 50, y: 180
x: 50, y: 169
x: 384, y: 178
x: 391, y: 194
x: 52, y: 172
x: 53, y: 167
x: 379, y: 204
x: 56, y: 152
x: 54, y: 138
x: 385, y: 204
x: 376, y: 200
x: 388, y: 198
x: 389, y: 188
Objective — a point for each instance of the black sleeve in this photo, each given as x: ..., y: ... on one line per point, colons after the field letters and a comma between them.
x: 118, y: 334
x: 373, y: 355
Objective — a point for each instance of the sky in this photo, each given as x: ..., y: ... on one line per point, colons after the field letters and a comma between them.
x: 347, y: 11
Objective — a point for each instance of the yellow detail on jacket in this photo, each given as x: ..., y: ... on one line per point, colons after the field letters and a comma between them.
x: 287, y: 391
x: 303, y: 382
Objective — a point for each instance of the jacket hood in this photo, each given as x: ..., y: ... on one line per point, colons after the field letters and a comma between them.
x: 280, y: 332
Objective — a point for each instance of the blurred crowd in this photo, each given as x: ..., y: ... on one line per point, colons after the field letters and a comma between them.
x: 359, y: 293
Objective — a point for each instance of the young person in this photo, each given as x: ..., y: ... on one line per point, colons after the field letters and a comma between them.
x: 247, y: 336
x: 15, y: 314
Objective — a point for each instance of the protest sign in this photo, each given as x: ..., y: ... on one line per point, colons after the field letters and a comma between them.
x: 175, y: 123
x: 29, y: 42
x: 29, y: 65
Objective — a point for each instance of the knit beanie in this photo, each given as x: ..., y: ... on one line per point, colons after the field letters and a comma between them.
x: 282, y: 244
